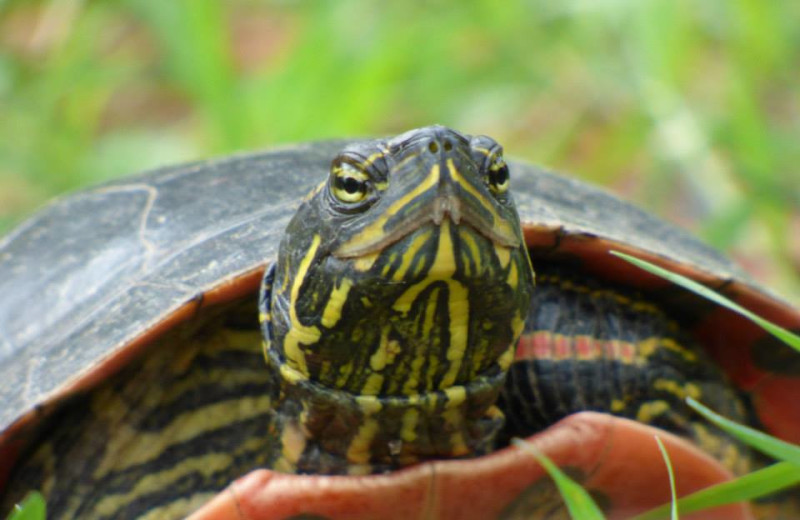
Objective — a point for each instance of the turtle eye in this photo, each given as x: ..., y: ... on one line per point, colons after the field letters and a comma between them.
x: 498, y: 175
x: 348, y: 183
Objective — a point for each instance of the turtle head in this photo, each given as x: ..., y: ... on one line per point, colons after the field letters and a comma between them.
x: 399, y: 293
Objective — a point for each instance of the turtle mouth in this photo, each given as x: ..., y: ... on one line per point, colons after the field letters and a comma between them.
x: 442, y: 208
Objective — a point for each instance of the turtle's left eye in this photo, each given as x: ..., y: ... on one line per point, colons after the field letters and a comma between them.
x: 498, y: 175
x: 349, y: 184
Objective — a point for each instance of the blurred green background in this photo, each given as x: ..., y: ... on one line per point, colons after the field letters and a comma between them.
x: 689, y: 108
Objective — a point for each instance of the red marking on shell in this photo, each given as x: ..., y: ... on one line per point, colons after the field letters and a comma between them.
x: 558, y: 347
x: 562, y: 347
x: 624, y: 351
x: 586, y: 347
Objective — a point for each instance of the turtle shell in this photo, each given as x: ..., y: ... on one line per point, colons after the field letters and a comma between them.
x: 94, y: 277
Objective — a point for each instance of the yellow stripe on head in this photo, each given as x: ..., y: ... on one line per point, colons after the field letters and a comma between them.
x: 298, y: 333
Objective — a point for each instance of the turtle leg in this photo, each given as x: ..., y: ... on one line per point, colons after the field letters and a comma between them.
x: 590, y: 346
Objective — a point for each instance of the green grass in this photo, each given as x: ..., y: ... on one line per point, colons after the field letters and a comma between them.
x: 32, y: 508
x: 757, y: 484
x: 793, y: 340
x: 673, y: 505
x: 688, y: 108
x: 579, y: 503
x: 754, y: 485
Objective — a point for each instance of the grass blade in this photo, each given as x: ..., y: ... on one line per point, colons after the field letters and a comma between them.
x: 673, y: 495
x: 747, y: 487
x: 790, y: 339
x: 764, y: 443
x: 579, y: 503
x: 32, y: 508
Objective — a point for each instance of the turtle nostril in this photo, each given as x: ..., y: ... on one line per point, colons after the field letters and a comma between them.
x: 433, y: 147
x: 448, y: 145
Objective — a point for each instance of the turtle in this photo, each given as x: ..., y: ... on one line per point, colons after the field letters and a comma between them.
x: 358, y: 329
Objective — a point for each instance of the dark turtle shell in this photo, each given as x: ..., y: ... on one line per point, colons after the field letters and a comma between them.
x: 91, y: 279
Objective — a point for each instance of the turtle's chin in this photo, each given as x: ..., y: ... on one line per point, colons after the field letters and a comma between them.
x: 361, y: 434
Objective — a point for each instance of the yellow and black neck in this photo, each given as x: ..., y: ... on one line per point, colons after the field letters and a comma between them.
x: 400, y: 290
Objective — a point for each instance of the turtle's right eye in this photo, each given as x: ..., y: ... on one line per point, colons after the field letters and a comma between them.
x: 498, y: 175
x: 349, y: 184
